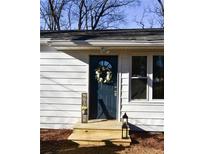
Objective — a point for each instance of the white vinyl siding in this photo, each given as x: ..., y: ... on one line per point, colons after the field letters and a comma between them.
x: 146, y: 115
x: 64, y: 76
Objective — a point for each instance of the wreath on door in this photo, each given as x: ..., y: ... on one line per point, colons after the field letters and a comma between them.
x: 103, y: 74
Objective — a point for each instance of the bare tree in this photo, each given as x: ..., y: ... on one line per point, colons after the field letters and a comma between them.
x: 85, y: 14
x: 52, y: 13
x: 68, y: 24
x: 99, y: 14
x: 161, y: 7
x: 46, y: 17
x: 108, y: 12
x: 159, y: 10
x: 152, y: 16
x: 81, y: 14
x: 141, y: 21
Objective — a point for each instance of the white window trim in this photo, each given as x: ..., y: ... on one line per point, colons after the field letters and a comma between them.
x: 130, y: 78
x: 149, y: 78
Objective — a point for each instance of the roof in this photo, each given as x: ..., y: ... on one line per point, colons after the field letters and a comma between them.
x: 118, y: 34
x: 112, y: 37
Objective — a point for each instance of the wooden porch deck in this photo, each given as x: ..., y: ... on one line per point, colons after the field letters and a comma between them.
x: 99, y: 132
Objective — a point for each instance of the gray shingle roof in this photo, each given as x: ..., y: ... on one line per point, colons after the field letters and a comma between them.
x: 144, y: 35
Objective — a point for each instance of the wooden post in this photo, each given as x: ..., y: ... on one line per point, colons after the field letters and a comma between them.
x: 84, y: 108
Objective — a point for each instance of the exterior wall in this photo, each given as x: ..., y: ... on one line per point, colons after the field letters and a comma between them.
x: 64, y: 76
x: 146, y: 115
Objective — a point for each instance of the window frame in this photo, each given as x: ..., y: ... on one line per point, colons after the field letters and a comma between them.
x: 149, y: 86
x: 152, y: 79
x: 130, y: 89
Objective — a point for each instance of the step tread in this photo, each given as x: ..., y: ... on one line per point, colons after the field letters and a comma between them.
x: 100, y: 125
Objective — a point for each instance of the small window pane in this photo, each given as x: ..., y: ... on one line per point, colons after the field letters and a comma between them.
x: 139, y: 88
x: 158, y: 77
x: 139, y: 66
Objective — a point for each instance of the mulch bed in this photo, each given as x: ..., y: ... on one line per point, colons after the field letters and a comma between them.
x: 54, y: 141
x: 55, y: 134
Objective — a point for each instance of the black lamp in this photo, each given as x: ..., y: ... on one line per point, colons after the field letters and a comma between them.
x: 125, y: 118
x: 125, y: 127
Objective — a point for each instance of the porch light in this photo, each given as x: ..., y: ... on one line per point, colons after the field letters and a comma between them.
x: 125, y: 127
x: 125, y: 118
x: 104, y: 50
x: 125, y: 131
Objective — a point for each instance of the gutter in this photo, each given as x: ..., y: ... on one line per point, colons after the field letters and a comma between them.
x: 97, y: 44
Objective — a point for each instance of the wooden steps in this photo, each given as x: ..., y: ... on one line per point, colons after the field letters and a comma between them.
x: 96, y: 132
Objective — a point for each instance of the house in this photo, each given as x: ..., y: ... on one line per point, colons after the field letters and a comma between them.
x: 119, y: 70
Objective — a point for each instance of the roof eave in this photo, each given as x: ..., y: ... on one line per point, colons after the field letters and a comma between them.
x: 96, y: 44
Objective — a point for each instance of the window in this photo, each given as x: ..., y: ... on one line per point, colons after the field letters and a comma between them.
x: 144, y: 69
x: 158, y: 77
x: 139, y: 77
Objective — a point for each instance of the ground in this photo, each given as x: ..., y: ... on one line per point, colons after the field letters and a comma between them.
x: 55, y: 142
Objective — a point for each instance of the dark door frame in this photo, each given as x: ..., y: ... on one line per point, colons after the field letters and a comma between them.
x: 117, y: 97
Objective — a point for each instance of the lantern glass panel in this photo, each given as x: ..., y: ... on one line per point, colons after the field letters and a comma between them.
x: 124, y: 120
x: 124, y: 131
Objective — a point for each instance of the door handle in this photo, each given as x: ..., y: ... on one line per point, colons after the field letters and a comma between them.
x: 115, y: 90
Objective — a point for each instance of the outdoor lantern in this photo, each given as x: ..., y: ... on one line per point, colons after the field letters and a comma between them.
x: 124, y: 131
x: 125, y: 118
x: 125, y: 127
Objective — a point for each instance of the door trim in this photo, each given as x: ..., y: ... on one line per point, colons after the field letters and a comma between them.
x: 118, y: 106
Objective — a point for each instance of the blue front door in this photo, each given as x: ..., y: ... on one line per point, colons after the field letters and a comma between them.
x: 103, y: 87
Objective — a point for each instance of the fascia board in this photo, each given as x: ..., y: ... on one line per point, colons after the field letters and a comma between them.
x: 102, y: 43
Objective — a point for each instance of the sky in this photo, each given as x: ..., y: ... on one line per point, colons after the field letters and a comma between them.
x: 134, y: 14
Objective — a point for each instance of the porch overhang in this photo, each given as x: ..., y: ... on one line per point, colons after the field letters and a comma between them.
x: 99, y: 44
